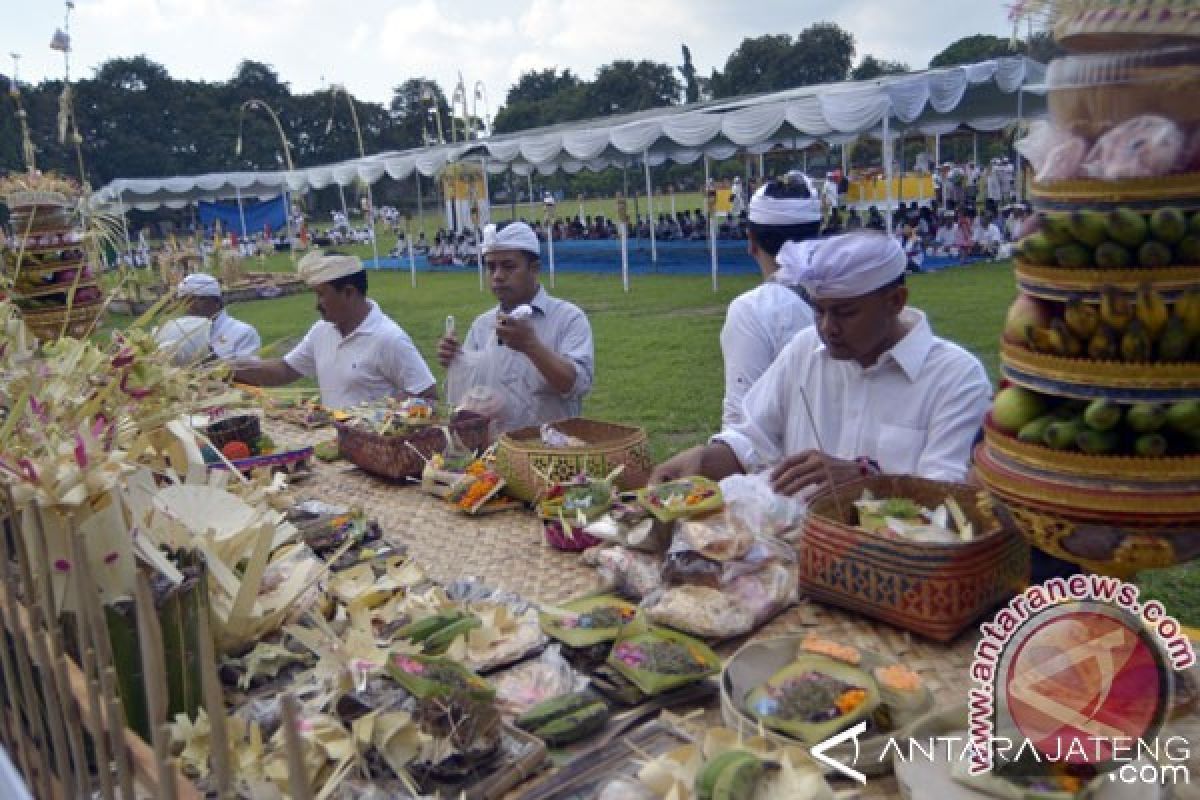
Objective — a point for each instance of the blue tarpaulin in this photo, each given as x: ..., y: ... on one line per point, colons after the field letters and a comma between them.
x: 257, y: 214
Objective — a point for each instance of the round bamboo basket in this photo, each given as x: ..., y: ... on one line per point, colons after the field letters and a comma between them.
x: 25, y: 200
x: 1183, y: 470
x: 401, y: 457
x: 53, y: 323
x: 1112, y: 529
x: 1087, y: 379
x: 1059, y: 284
x: 1140, y: 194
x: 530, y: 467
x: 1103, y: 25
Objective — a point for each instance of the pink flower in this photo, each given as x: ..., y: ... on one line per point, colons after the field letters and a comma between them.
x: 62, y: 565
x: 123, y: 358
x: 111, y: 558
x: 406, y: 664
x: 81, y: 457
x: 631, y: 654
x: 135, y: 393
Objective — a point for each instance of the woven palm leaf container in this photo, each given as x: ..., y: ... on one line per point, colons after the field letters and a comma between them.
x: 397, y: 457
x: 529, y: 466
x: 932, y: 589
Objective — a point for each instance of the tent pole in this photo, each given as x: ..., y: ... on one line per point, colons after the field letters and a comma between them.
x: 887, y: 168
x: 371, y: 226
x: 712, y: 238
x: 412, y: 260
x: 624, y: 234
x: 241, y: 211
x: 420, y: 202
x: 287, y: 209
x: 804, y: 153
x: 529, y: 181
x: 762, y: 172
x: 650, y: 208
x: 975, y: 148
x: 845, y: 163
x: 342, y: 195
x: 487, y: 190
x: 1018, y: 174
x: 125, y: 228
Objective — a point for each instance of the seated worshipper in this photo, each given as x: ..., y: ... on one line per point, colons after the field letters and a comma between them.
x: 532, y: 355
x: 868, y: 388
x: 229, y: 338
x: 760, y: 322
x: 356, y: 352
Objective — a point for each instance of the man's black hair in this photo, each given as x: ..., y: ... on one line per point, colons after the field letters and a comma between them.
x: 772, y: 237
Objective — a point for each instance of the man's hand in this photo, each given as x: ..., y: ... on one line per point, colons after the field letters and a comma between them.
x: 811, y: 468
x: 517, y: 334
x: 678, y: 466
x: 448, y: 350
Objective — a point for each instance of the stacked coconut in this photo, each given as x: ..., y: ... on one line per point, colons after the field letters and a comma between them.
x: 46, y: 262
x: 1094, y: 444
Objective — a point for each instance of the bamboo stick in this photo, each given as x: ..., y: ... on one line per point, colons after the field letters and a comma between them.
x: 58, y: 735
x: 297, y: 772
x: 70, y: 708
x: 9, y: 670
x: 214, y: 701
x: 33, y: 706
x: 166, y: 766
x: 86, y: 636
x: 117, y: 727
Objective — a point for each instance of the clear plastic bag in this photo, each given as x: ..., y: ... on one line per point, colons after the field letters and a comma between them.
x: 751, y: 500
x: 625, y: 789
x: 544, y: 678
x: 628, y: 572
x: 736, y: 608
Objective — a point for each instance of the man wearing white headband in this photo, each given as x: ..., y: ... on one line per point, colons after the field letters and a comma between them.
x: 229, y: 338
x: 356, y: 352
x: 867, y: 388
x: 539, y: 351
x: 760, y: 322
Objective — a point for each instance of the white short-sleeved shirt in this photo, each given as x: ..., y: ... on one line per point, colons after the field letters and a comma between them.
x: 916, y: 411
x: 563, y: 328
x: 378, y: 359
x: 231, y: 338
x: 758, y: 325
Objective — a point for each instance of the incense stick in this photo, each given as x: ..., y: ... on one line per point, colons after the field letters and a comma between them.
x: 812, y: 423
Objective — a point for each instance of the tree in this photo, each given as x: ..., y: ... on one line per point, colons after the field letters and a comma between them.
x: 541, y: 97
x: 822, y: 53
x: 625, y: 86
x: 538, y: 86
x: 1042, y: 48
x: 409, y: 111
x: 972, y: 49
x: 872, y: 67
x: 688, y: 71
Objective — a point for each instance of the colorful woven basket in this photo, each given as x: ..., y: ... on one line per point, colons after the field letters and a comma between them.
x: 1088, y: 379
x: 530, y: 466
x: 1144, y: 194
x: 1059, y: 284
x: 245, y: 428
x: 1109, y: 527
x: 936, y: 590
x: 400, y: 457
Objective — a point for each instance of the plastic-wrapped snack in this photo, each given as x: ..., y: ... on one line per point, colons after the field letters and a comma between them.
x: 525, y: 685
x: 720, y: 537
x: 751, y: 500
x: 626, y: 571
x: 1148, y: 146
x: 698, y: 610
x: 689, y: 568
x: 1055, y: 154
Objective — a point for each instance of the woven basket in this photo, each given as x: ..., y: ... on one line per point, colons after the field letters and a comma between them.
x: 531, y: 467
x: 48, y: 325
x: 936, y: 590
x: 245, y: 428
x: 1088, y: 379
x: 400, y: 457
x: 1059, y: 284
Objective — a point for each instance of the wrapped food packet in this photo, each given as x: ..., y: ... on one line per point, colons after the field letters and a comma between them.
x: 751, y: 500
x: 625, y: 571
x: 1146, y: 146
x: 544, y: 678
x: 738, y: 607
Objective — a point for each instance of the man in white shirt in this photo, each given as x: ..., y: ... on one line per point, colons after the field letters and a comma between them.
x: 868, y: 388
x: 356, y: 353
x: 533, y: 351
x: 228, y: 338
x: 760, y: 322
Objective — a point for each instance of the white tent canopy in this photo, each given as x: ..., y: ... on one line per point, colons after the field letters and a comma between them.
x: 982, y: 97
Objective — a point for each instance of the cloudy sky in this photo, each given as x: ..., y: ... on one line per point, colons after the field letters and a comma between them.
x: 372, y: 45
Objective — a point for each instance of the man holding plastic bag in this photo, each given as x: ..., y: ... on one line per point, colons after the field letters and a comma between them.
x: 528, y: 361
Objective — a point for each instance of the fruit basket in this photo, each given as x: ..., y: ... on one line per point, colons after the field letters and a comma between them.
x: 1093, y: 449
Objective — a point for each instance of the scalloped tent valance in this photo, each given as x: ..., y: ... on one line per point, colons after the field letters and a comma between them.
x: 982, y: 97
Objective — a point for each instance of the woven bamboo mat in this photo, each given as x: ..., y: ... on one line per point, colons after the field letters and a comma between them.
x: 507, y: 551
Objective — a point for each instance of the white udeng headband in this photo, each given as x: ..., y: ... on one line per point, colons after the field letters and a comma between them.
x: 765, y: 210
x: 514, y: 236
x: 850, y: 265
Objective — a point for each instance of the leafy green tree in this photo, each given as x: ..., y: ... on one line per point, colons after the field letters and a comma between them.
x: 625, y: 86
x: 871, y: 67
x: 688, y: 71
x: 972, y: 49
x: 822, y: 53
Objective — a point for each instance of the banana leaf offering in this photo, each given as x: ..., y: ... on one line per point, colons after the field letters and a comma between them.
x: 657, y: 660
x: 814, y: 697
x: 429, y: 676
x: 588, y: 620
x: 578, y: 502
x: 686, y: 497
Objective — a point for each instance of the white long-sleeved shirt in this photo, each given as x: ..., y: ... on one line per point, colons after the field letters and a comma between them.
x: 230, y: 338
x: 563, y: 328
x: 916, y: 411
x: 758, y: 325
